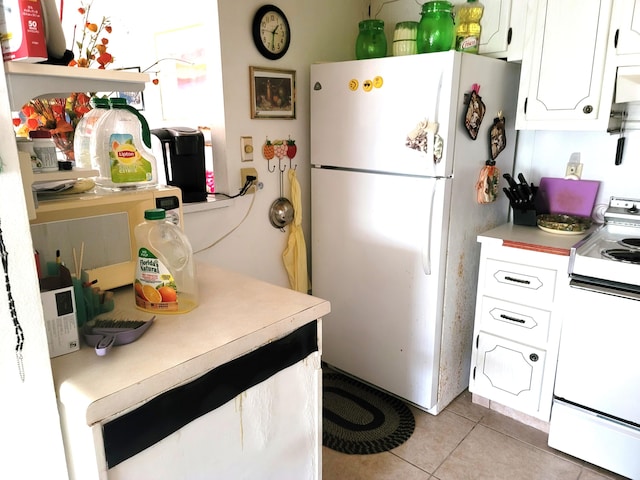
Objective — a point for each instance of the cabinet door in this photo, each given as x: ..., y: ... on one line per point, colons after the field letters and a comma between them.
x: 494, y: 38
x: 626, y: 29
x: 508, y: 372
x: 503, y: 29
x: 564, y: 66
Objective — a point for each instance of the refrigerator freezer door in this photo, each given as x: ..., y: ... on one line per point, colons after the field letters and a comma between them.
x: 368, y: 244
x: 364, y: 110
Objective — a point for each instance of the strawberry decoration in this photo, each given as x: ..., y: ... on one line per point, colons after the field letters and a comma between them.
x: 292, y: 149
x: 268, y: 151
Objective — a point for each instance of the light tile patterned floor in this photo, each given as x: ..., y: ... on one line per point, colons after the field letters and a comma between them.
x: 465, y: 442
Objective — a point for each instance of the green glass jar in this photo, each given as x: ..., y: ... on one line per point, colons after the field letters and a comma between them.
x: 436, y: 31
x: 371, y: 41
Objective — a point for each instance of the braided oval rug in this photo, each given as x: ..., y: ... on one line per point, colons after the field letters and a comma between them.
x: 359, y: 419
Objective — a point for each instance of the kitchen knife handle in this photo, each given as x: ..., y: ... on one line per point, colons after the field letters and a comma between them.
x: 619, y: 150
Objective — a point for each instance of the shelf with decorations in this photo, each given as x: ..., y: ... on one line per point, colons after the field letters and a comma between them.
x: 28, y: 81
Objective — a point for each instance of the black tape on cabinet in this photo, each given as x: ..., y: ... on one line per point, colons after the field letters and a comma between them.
x: 141, y: 428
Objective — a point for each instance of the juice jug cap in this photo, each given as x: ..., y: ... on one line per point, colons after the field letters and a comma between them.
x: 155, y: 214
x: 98, y: 102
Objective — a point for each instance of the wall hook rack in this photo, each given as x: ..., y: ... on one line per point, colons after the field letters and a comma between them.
x: 280, y: 149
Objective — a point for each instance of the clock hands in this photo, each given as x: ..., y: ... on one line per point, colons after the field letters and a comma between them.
x: 273, y: 37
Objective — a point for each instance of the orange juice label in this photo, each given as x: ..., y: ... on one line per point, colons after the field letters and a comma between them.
x: 155, y: 287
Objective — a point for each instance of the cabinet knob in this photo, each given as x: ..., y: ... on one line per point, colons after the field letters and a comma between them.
x: 533, y: 357
x: 587, y: 109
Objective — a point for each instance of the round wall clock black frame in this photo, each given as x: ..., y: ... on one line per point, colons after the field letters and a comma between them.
x: 262, y: 41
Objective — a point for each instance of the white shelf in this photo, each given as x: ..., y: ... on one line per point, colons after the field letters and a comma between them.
x: 26, y: 81
x: 63, y: 175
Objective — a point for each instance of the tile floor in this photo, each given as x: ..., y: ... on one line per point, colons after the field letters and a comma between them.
x: 464, y: 442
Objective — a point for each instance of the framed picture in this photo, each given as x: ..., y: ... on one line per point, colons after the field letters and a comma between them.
x: 135, y: 99
x: 273, y: 93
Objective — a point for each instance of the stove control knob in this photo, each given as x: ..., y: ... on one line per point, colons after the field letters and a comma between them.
x: 633, y: 209
x: 533, y: 357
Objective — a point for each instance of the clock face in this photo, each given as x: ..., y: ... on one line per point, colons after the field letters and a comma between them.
x: 271, y: 32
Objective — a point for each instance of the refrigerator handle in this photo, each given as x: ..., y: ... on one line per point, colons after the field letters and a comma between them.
x: 426, y: 248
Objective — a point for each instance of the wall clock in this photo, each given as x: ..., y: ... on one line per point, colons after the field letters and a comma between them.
x: 271, y: 32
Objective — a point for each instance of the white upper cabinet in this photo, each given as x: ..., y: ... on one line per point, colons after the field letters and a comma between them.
x: 567, y: 77
x: 625, y: 28
x: 503, y: 29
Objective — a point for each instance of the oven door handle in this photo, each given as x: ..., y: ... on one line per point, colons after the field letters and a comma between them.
x: 606, y: 288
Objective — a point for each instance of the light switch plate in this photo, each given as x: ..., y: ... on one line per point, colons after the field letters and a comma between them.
x: 246, y: 149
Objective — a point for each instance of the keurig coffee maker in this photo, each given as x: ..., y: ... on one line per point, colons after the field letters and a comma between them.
x: 183, y: 156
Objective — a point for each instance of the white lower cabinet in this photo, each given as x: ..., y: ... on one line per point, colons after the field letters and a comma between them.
x: 507, y: 370
x: 516, y: 332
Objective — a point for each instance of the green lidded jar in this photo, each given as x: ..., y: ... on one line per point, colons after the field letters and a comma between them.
x: 436, y: 31
x: 371, y: 41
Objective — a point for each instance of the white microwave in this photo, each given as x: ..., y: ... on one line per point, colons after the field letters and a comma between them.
x: 94, y: 231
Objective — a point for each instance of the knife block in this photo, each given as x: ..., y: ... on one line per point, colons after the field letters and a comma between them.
x: 525, y: 217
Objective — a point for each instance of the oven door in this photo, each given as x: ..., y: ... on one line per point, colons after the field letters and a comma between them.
x: 599, y: 355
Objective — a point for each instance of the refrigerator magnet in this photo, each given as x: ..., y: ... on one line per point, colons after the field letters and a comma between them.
x: 475, y: 111
x: 497, y: 136
x: 487, y: 185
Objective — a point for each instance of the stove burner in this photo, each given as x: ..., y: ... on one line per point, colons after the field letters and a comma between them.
x: 622, y: 255
x: 630, y: 242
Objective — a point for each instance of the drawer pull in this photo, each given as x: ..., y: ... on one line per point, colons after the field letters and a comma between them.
x: 534, y: 357
x: 518, y: 280
x: 512, y: 319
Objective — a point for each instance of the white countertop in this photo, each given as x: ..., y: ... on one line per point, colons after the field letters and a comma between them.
x: 533, y: 238
x: 236, y: 315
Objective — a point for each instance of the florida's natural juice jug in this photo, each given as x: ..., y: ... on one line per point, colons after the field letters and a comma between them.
x: 165, y: 276
x: 120, y: 149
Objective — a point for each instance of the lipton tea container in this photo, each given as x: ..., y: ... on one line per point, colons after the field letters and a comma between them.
x: 121, y: 149
x: 165, y: 276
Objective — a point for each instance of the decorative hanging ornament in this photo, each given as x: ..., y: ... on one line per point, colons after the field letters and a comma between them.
x: 12, y: 308
x: 488, y: 180
x: 497, y: 136
x: 475, y: 111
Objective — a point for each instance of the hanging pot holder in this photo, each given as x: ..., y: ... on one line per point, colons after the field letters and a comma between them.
x: 488, y: 180
x: 497, y: 136
x: 475, y: 111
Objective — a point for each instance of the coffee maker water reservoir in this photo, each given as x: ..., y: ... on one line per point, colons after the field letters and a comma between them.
x: 184, y: 161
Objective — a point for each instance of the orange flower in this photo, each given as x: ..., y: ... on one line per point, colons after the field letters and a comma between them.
x: 92, y: 43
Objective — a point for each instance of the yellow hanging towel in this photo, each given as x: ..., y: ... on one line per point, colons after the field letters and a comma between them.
x: 295, y: 254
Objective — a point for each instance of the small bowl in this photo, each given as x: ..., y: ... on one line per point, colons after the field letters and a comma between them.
x: 563, y: 224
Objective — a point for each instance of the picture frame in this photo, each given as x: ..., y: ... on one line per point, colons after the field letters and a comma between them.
x: 135, y: 99
x: 272, y: 93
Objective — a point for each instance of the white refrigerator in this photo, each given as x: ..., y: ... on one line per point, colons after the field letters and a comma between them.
x: 393, y: 231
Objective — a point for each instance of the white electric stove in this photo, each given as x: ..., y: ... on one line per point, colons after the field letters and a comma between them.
x: 596, y: 409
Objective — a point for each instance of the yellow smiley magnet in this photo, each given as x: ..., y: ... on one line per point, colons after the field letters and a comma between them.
x: 353, y: 85
x: 367, y: 85
x: 377, y: 82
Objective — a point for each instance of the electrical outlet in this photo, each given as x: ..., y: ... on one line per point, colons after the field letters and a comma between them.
x: 574, y: 169
x: 248, y: 172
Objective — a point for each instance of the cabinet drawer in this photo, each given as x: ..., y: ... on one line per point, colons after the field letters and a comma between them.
x: 508, y: 372
x: 519, y: 283
x: 515, y: 321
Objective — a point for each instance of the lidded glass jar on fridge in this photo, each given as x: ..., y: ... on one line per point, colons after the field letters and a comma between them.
x: 120, y: 149
x: 436, y: 28
x: 371, y: 41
